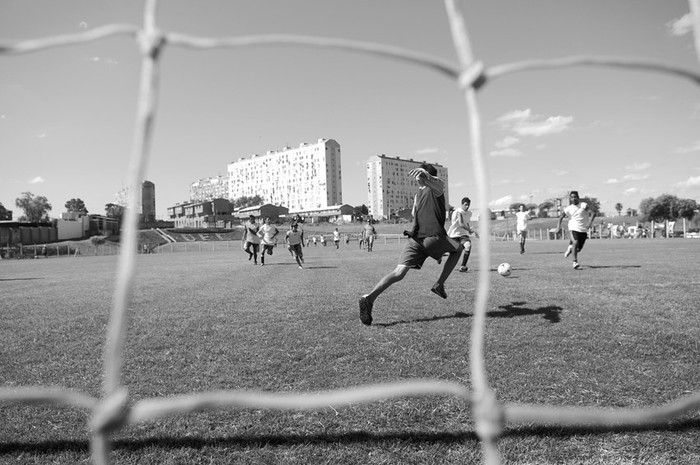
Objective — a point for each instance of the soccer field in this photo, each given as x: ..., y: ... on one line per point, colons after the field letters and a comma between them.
x: 621, y: 332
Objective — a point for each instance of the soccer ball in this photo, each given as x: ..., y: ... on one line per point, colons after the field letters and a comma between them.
x: 504, y: 269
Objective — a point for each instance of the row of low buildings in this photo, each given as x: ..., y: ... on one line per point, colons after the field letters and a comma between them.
x: 304, y: 180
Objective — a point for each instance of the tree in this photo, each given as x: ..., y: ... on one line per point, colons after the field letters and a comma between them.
x: 645, y: 208
x: 544, y: 208
x: 618, y: 207
x: 358, y: 212
x: 686, y: 208
x: 76, y: 205
x: 593, y: 204
x: 5, y: 214
x: 515, y: 206
x: 245, y: 201
x: 112, y: 210
x: 36, y: 209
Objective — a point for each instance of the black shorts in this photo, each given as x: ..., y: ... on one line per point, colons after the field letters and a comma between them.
x: 580, y: 238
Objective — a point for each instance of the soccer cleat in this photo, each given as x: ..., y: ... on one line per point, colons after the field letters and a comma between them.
x: 301, y: 267
x: 576, y: 265
x: 365, y: 311
x: 439, y: 289
x: 463, y: 269
x: 568, y: 251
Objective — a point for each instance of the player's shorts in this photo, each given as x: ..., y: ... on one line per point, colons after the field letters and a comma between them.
x: 522, y: 233
x: 256, y: 247
x: 415, y: 252
x: 268, y: 248
x: 296, y: 248
x: 580, y: 238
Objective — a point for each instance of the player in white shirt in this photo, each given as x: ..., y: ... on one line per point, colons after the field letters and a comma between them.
x: 521, y: 219
x: 295, y: 241
x: 580, y: 221
x: 267, y: 233
x: 460, y: 229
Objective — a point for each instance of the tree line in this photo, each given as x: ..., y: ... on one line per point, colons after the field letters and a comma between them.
x: 666, y: 207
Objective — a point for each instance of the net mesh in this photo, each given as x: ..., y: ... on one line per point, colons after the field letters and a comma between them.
x: 113, y: 411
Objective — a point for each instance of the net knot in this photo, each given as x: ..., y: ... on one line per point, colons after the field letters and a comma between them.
x: 488, y: 415
x: 111, y: 413
x: 473, y: 76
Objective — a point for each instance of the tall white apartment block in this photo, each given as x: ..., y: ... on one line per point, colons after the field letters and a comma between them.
x: 390, y: 189
x: 213, y: 187
x: 300, y: 178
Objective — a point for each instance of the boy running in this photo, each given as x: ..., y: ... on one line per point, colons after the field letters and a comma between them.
x: 460, y: 229
x: 295, y: 241
x: 267, y: 234
x: 580, y: 221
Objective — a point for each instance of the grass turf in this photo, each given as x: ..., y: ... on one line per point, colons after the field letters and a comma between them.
x: 623, y: 331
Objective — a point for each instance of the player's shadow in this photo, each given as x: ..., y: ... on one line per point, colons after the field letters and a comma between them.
x: 621, y: 267
x: 515, y: 309
x: 425, y: 320
x: 18, y: 279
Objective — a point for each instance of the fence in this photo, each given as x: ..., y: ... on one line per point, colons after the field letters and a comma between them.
x: 112, y: 411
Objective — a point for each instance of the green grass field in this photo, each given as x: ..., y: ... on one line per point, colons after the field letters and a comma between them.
x: 622, y: 332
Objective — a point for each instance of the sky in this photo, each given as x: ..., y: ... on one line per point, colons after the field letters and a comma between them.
x: 67, y: 114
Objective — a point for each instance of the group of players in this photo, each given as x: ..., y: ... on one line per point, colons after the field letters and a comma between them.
x: 427, y: 237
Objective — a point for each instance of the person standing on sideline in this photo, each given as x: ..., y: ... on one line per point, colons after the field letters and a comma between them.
x: 427, y: 238
x: 295, y: 241
x: 251, y: 239
x: 580, y: 221
x: 460, y: 229
x: 521, y: 219
x: 336, y: 238
x: 267, y: 233
x: 369, y: 233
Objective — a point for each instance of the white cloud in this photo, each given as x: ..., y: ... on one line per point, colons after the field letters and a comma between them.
x: 502, y: 202
x: 42, y: 135
x: 638, y: 166
x: 680, y: 26
x: 552, y: 125
x: 507, y: 141
x: 630, y: 191
x: 36, y: 180
x: 612, y: 181
x: 524, y: 123
x: 560, y: 172
x: 693, y: 147
x: 690, y: 182
x: 635, y: 177
x: 509, y: 152
x: 427, y: 150
x: 515, y: 115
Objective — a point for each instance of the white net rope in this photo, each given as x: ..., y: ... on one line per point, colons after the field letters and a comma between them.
x: 113, y: 410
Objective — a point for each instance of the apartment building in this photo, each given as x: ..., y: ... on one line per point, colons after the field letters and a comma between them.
x: 213, y: 187
x: 390, y: 189
x: 299, y: 178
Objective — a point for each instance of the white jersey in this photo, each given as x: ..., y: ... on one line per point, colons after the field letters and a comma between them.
x: 267, y: 233
x: 521, y: 219
x: 460, y: 223
x: 579, y: 217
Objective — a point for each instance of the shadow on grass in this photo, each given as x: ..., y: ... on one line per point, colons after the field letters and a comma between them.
x: 165, y: 442
x: 622, y: 267
x: 18, y: 279
x: 550, y: 313
x: 353, y: 437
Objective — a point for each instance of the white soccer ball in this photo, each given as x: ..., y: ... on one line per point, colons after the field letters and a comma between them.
x: 504, y: 269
